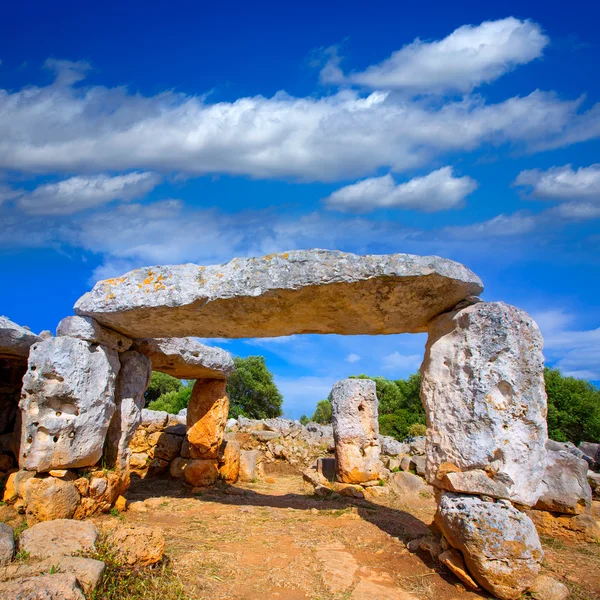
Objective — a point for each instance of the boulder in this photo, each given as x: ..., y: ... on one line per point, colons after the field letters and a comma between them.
x: 207, y: 416
x: 326, y: 467
x: 546, y: 588
x: 167, y: 445
x: 177, y: 467
x: 565, y: 488
x: 419, y: 464
x: 575, y: 527
x: 201, y: 473
x: 67, y: 404
x: 186, y: 358
x: 473, y: 482
x: 58, y: 586
x: 484, y: 394
x: 154, y: 420
x: 87, y: 329
x: 14, y: 486
x: 50, y: 498
x: 403, y: 483
x: 229, y: 467
x: 416, y: 445
x: 391, y: 446
x: 7, y: 543
x: 304, y: 291
x: 592, y: 451
x: 138, y: 546
x: 250, y: 465
x: 355, y: 423
x: 131, y: 384
x: 15, y: 340
x: 594, y: 483
x: 500, y: 545
x: 61, y: 537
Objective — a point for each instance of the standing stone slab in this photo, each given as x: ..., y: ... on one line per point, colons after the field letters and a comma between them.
x: 132, y: 381
x: 354, y: 407
x: 484, y: 395
x: 304, y: 291
x: 87, y: 329
x: 206, y: 417
x: 500, y: 544
x: 67, y: 404
x: 186, y: 358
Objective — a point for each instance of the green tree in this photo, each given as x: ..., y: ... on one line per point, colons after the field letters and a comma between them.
x: 252, y: 391
x: 160, y: 384
x: 304, y: 419
x: 175, y: 400
x: 573, y: 408
x: 322, y: 413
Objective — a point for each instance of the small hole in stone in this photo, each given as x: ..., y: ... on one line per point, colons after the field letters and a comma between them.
x: 55, y: 438
x: 72, y: 434
x: 33, y: 368
x: 76, y: 413
x: 361, y: 407
x: 58, y: 413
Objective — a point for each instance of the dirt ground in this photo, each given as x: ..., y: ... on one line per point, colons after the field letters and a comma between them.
x: 277, y: 541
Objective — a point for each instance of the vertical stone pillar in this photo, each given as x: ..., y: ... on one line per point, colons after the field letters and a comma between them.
x: 206, y: 420
x: 355, y: 422
x: 484, y: 395
x: 132, y: 381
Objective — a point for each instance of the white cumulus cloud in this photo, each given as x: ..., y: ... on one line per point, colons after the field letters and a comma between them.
x: 439, y: 190
x: 562, y: 183
x: 352, y: 358
x: 86, y: 191
x: 469, y: 56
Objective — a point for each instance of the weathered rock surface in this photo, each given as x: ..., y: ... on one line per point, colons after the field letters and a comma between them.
x: 67, y: 404
x: 154, y: 420
x: 474, y: 482
x: 406, y: 483
x: 576, y: 527
x: 15, y: 340
x: 546, y: 588
x: 391, y: 446
x: 7, y: 543
x: 50, y: 498
x: 59, y: 586
x: 186, y: 358
x: 355, y: 423
x: 206, y: 417
x: 139, y: 546
x: 565, y: 488
x: 499, y: 544
x: 61, y: 537
x: 201, y: 473
x: 592, y: 451
x: 484, y: 394
x: 131, y: 384
x: 229, y: 467
x: 250, y: 465
x: 305, y: 291
x: 454, y: 560
x: 89, y: 330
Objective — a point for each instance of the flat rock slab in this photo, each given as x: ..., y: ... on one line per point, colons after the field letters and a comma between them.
x: 186, y: 358
x: 304, y: 291
x: 61, y: 537
x: 15, y: 340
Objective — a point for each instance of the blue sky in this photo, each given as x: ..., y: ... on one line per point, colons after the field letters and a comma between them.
x: 161, y: 133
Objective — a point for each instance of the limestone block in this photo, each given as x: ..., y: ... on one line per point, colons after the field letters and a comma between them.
x: 61, y: 537
x: 484, y: 394
x: 403, y: 483
x: 576, y: 527
x: 229, y: 465
x: 356, y: 430
x: 130, y: 387
x: 546, y: 588
x: 89, y: 330
x: 139, y: 441
x: 453, y: 559
x: 326, y: 467
x: 15, y: 340
x: 304, y: 291
x: 565, y: 488
x: 500, y: 545
x: 154, y: 420
x: 167, y: 446
x: 7, y: 543
x: 58, y: 586
x: 186, y: 358
x: 474, y: 482
x: 50, y: 498
x: 139, y: 460
x: 13, y: 487
x: 592, y: 451
x: 250, y: 465
x: 207, y: 416
x: 177, y: 467
x: 139, y: 546
x: 67, y: 404
x: 594, y: 483
x: 201, y: 473
x: 391, y: 446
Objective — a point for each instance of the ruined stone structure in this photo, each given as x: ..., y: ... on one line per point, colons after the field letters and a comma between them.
x: 482, y: 388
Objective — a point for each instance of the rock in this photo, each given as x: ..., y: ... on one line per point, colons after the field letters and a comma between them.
x: 50, y: 498
x: 229, y: 468
x: 304, y: 291
x: 499, y: 544
x: 59, y: 586
x: 565, y: 488
x: 154, y: 420
x: 186, y: 358
x: 484, y: 394
x: 577, y: 527
x: 131, y: 384
x: 67, y: 404
x: 167, y: 446
x: 355, y: 423
x: 474, y: 482
x: 177, y: 467
x: 326, y: 467
x: 405, y: 483
x: 121, y: 503
x: 419, y: 464
x: 138, y: 546
x: 592, y: 451
x: 180, y: 429
x: 7, y: 543
x: 231, y: 425
x: 546, y: 588
x: 12, y: 370
x: 594, y: 483
x: 87, y: 329
x: 139, y: 460
x: 206, y: 417
x: 201, y: 473
x: 266, y: 436
x: 453, y: 559
x: 416, y: 445
x: 15, y: 340
x: 405, y: 463
x: 14, y: 486
x: 250, y: 465
x: 391, y: 446
x: 61, y: 537
x: 350, y: 490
